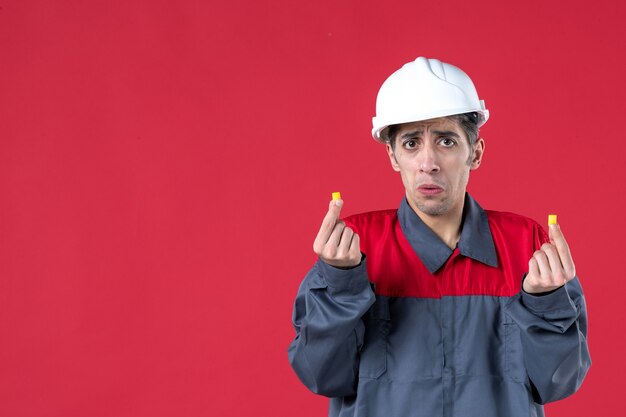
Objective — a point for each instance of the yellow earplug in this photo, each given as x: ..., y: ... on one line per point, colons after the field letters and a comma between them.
x: 337, y: 195
x: 551, y: 219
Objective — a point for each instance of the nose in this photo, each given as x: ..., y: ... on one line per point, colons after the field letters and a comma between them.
x: 428, y: 159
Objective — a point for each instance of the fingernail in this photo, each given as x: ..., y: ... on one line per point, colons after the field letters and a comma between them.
x: 339, y: 203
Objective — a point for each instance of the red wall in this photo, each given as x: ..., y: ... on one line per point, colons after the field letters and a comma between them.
x: 165, y: 165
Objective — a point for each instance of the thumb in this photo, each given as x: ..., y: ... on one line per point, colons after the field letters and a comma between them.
x: 554, y: 233
x: 334, y: 208
x: 553, y: 228
x: 330, y: 219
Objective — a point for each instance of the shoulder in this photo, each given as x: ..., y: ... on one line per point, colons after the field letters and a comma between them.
x: 508, y: 219
x: 372, y: 219
x: 507, y: 223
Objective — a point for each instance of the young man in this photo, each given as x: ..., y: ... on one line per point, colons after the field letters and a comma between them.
x: 439, y: 308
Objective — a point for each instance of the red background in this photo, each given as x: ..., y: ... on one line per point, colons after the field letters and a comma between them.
x: 165, y: 165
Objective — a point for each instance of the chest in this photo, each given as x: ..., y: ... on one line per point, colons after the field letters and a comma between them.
x: 397, y: 271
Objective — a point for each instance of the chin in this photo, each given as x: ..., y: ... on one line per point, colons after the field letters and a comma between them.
x: 433, y: 211
x: 436, y: 209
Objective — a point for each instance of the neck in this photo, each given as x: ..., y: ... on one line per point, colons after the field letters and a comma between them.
x: 447, y: 226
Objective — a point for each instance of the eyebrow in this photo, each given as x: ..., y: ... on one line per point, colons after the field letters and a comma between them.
x: 411, y: 134
x: 418, y: 132
x: 446, y: 133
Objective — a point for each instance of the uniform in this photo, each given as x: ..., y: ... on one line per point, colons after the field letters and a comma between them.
x: 418, y: 329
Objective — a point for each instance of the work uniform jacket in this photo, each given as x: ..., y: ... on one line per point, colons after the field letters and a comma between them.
x: 418, y: 329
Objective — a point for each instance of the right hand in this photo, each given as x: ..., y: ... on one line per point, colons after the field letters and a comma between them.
x: 552, y: 266
x: 336, y: 244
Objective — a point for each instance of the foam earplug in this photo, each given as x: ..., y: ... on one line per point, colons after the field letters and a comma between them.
x: 337, y: 195
x: 551, y: 219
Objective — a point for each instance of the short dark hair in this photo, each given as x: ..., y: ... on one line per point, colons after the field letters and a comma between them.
x: 468, y: 122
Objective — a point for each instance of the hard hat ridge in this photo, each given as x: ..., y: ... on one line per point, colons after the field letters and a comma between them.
x: 434, y: 65
x: 425, y: 89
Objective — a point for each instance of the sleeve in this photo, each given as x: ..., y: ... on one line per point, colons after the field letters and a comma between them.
x: 554, y: 337
x: 327, y: 318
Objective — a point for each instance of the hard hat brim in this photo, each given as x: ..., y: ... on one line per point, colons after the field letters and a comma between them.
x: 378, y: 133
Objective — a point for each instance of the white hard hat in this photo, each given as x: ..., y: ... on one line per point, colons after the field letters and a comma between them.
x: 425, y: 89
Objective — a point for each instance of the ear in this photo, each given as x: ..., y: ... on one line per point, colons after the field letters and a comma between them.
x: 479, y: 151
x: 392, y: 158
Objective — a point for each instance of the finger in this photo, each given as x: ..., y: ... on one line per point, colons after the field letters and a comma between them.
x: 344, y: 243
x: 544, y: 267
x: 335, y: 236
x: 355, y: 245
x: 532, y: 279
x: 354, y: 254
x: 330, y: 219
x: 554, y: 261
x: 533, y: 269
x: 556, y: 236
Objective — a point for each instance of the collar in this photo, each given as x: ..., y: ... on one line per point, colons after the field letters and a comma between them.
x: 475, y: 242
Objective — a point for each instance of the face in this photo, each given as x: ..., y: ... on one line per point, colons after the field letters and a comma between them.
x: 434, y: 159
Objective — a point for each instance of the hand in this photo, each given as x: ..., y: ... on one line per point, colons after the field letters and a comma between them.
x: 551, y: 266
x: 336, y: 244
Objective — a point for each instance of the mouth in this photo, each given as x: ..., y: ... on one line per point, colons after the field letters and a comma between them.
x: 429, y: 189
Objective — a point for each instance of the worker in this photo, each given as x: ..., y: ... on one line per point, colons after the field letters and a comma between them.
x: 439, y: 307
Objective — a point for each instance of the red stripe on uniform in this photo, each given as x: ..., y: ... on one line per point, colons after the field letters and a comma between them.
x: 397, y: 271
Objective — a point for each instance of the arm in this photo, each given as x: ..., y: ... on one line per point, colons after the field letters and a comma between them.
x: 552, y: 316
x: 554, y: 340
x: 333, y: 297
x: 329, y: 330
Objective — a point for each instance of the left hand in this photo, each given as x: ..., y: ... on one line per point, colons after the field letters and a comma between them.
x: 551, y: 266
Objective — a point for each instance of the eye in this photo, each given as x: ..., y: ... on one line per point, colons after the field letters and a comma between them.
x: 409, y: 144
x: 447, y: 142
